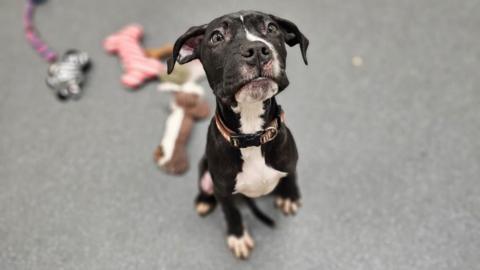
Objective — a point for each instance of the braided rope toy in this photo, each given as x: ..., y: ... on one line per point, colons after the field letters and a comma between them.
x: 66, y: 75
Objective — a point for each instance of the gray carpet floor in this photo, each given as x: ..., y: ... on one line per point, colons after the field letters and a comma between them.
x: 389, y: 151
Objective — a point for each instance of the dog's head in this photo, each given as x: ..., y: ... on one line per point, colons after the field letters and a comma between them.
x: 243, y: 54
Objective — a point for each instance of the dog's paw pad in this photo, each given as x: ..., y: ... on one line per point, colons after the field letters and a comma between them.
x: 240, y: 246
x: 203, y: 208
x: 287, y: 206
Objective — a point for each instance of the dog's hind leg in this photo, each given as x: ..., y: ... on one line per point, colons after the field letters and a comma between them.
x: 205, y: 201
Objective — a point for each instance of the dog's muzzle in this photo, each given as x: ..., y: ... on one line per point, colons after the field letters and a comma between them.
x: 258, y: 89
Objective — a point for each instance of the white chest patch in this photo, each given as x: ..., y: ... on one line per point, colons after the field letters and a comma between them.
x: 256, y: 178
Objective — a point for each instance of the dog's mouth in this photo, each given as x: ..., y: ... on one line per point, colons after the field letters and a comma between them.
x: 257, y: 83
x: 257, y: 89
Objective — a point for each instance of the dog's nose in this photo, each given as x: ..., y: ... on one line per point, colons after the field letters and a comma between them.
x: 256, y: 51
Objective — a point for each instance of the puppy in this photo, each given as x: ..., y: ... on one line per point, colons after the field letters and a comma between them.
x: 249, y: 151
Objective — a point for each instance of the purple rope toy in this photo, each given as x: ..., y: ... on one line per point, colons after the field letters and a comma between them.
x: 66, y: 75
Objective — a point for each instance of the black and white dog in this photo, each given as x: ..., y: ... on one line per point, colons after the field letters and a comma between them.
x: 249, y: 149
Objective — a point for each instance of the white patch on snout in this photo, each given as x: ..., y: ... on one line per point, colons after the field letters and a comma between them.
x: 256, y: 178
x: 275, y: 62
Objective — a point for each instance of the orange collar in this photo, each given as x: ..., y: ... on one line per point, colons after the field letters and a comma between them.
x: 252, y: 139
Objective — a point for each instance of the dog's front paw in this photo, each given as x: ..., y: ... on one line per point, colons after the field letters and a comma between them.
x: 241, y: 246
x: 287, y: 206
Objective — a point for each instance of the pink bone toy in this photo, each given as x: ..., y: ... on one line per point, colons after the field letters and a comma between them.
x: 138, y: 68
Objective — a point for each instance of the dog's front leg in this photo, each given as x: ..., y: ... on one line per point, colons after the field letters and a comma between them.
x: 238, y: 239
x: 288, y: 194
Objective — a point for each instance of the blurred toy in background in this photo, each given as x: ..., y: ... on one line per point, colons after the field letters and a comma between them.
x: 137, y: 66
x: 160, y: 53
x: 66, y: 76
x: 187, y: 107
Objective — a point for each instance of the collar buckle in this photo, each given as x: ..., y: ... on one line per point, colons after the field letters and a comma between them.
x: 269, y: 134
x: 234, y: 141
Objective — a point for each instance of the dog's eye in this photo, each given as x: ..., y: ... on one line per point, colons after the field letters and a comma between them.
x: 217, y: 37
x: 272, y: 28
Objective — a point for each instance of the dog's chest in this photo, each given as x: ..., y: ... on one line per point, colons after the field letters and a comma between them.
x: 256, y: 178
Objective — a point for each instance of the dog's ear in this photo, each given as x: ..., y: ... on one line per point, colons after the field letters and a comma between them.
x: 186, y: 46
x: 293, y: 36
